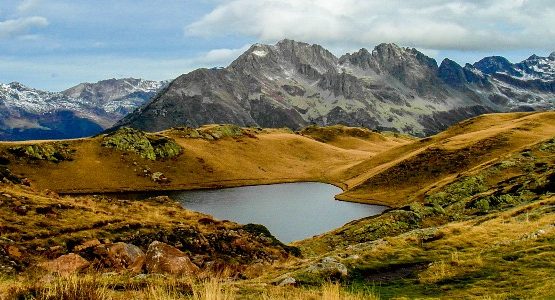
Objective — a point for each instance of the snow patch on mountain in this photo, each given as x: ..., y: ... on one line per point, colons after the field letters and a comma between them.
x: 92, y: 106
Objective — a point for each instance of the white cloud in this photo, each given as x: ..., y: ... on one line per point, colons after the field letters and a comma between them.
x: 430, y: 24
x: 27, y: 5
x: 71, y: 70
x: 221, y: 56
x: 20, y: 26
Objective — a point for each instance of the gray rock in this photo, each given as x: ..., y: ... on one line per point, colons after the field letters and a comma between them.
x: 294, y: 84
x: 328, y: 267
x: 287, y: 281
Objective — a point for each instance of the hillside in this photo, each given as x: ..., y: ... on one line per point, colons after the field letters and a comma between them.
x: 209, y: 159
x: 414, y: 169
x: 472, y: 211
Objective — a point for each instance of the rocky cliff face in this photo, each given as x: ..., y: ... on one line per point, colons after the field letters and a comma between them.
x: 295, y: 84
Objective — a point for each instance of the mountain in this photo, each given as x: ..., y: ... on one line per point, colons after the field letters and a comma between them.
x: 83, y: 110
x: 116, y: 96
x: 294, y: 84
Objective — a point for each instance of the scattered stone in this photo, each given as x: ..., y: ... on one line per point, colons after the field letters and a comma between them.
x: 21, y: 210
x: 159, y: 177
x: 287, y: 281
x: 7, y: 176
x: 87, y: 245
x: 162, y: 199
x: 56, y: 248
x: 123, y: 257
x: 534, y: 235
x: 65, y: 264
x: 14, y: 252
x: 163, y: 258
x: 354, y: 257
x: 328, y: 268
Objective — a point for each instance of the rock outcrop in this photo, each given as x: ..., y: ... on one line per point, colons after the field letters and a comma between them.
x: 163, y: 258
x: 54, y: 152
x: 149, y: 146
x: 65, y: 265
x: 294, y: 84
x: 122, y: 257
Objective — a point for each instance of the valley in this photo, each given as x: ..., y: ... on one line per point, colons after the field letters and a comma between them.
x: 471, y: 210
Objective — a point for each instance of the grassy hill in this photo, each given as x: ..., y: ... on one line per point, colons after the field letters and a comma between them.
x: 220, y: 156
x: 472, y: 210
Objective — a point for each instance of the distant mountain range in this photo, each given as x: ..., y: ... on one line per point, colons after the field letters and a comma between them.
x: 290, y: 84
x: 295, y: 84
x: 83, y: 110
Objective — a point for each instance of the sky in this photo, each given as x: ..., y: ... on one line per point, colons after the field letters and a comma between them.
x: 56, y: 44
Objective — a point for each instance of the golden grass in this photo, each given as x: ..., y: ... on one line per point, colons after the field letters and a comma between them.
x: 212, y: 289
x: 367, y: 167
x: 97, y: 287
x: 271, y: 157
x: 496, y: 256
x: 411, y: 170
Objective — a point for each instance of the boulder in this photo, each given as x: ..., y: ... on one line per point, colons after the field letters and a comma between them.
x: 122, y: 257
x: 14, y: 252
x: 159, y: 177
x: 87, y: 245
x: 7, y: 176
x: 328, y: 268
x: 287, y: 281
x: 163, y: 258
x: 65, y: 264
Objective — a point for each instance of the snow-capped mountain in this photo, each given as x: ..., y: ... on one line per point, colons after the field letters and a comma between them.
x: 116, y: 96
x: 295, y: 84
x: 83, y: 110
x: 291, y: 84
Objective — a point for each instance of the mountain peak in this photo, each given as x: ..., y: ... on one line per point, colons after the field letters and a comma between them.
x: 552, y: 55
x: 387, y: 48
x: 19, y: 86
x: 451, y: 73
x: 285, y: 42
x: 448, y: 62
x: 494, y: 64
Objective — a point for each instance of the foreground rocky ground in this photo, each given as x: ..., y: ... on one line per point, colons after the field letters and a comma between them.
x: 475, y: 219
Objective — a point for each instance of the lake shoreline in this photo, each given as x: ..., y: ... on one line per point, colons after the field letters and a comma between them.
x: 297, y: 204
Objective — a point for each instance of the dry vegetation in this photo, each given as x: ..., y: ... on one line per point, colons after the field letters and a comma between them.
x: 473, y: 212
x: 219, y: 161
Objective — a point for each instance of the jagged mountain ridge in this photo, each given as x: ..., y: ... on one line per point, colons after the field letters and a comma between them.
x: 295, y: 84
x: 83, y: 110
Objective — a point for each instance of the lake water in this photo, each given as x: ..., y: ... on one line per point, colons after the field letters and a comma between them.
x: 291, y: 211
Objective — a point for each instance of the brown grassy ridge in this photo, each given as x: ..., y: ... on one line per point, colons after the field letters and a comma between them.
x: 502, y: 255
x: 485, y: 231
x: 259, y: 157
x: 36, y: 226
x: 403, y: 174
x: 487, y: 234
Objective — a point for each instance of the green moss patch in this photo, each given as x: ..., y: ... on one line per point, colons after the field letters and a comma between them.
x: 54, y: 152
x: 148, y: 146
